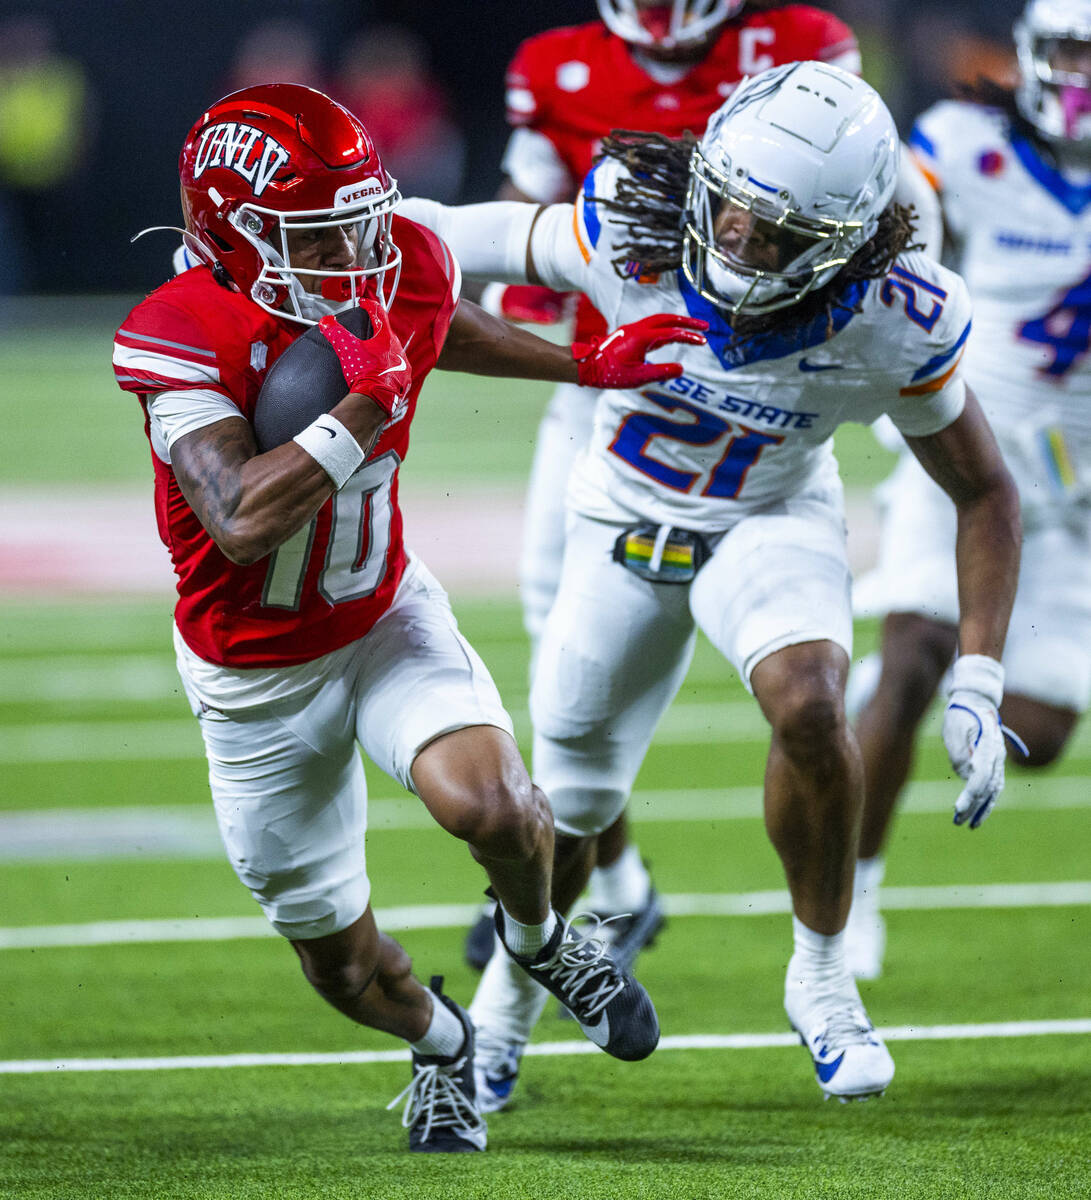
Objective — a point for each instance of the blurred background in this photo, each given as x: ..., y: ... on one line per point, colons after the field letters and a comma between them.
x: 96, y: 99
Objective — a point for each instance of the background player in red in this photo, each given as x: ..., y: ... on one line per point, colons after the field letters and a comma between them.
x: 651, y: 66
x: 303, y: 625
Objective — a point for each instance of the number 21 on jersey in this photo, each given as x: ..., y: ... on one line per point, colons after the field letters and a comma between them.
x: 741, y: 447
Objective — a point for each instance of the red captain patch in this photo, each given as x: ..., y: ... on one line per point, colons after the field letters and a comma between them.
x: 990, y: 162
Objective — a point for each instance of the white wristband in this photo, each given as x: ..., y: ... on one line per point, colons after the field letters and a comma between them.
x: 492, y: 298
x: 978, y: 673
x: 331, y: 445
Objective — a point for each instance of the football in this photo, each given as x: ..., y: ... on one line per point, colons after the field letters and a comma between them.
x: 305, y: 382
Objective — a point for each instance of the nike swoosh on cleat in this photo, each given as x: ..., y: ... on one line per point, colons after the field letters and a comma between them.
x: 804, y: 365
x: 826, y: 1071
x: 599, y: 1033
x: 500, y: 1087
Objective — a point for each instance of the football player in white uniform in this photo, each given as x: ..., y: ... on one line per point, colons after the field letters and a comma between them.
x: 715, y: 501
x: 1014, y: 177
x: 566, y: 89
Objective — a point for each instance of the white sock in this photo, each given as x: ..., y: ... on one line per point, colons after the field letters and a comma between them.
x: 818, y: 962
x: 507, y: 1002
x: 622, y: 887
x: 866, y: 881
x: 527, y: 940
x: 444, y: 1036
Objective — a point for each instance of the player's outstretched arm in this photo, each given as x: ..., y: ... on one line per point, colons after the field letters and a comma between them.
x: 481, y: 344
x: 526, y: 302
x: 965, y: 461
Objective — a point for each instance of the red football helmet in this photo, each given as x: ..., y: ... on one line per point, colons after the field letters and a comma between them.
x: 666, y: 24
x: 279, y: 157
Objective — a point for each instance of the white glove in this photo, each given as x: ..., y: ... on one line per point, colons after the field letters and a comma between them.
x: 973, y: 734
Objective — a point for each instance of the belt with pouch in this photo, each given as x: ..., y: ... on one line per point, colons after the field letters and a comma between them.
x: 662, y: 553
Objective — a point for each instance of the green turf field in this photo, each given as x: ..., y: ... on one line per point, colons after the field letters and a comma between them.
x: 466, y: 427
x: 106, y: 829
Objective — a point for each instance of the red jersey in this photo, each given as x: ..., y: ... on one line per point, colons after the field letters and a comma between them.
x: 329, y: 583
x: 575, y: 85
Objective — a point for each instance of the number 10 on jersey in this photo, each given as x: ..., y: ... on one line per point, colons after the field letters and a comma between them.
x: 359, y: 539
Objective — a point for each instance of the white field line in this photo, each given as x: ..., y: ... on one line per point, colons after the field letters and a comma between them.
x: 189, y: 831
x: 457, y: 916
x: 700, y: 723
x: 700, y: 1041
x: 696, y: 723
x: 75, y: 678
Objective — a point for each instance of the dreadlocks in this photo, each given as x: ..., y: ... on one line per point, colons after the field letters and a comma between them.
x: 650, y: 201
x: 650, y: 196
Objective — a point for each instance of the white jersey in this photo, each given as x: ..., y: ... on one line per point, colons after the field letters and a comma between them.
x: 1022, y: 232
x: 747, y: 425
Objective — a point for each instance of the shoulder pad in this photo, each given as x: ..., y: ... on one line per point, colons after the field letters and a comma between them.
x: 166, y: 343
x: 531, y: 78
x: 815, y: 33
x: 596, y: 223
x: 951, y: 136
x: 934, y: 304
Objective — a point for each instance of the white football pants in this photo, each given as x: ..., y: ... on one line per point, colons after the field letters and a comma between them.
x: 616, y: 647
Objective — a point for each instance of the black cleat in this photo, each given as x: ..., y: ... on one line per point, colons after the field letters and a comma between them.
x: 441, y: 1111
x: 612, y: 1008
x: 481, y: 938
x: 629, y: 933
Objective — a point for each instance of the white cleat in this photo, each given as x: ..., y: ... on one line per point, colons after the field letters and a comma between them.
x: 850, y: 1060
x: 496, y: 1069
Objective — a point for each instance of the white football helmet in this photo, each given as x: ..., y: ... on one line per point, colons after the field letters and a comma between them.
x: 665, y: 24
x: 786, y: 184
x: 1053, y: 41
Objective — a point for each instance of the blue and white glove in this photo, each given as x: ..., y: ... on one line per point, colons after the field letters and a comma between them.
x: 974, y: 736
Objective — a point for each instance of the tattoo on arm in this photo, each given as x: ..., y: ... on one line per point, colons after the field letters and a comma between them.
x: 208, y: 466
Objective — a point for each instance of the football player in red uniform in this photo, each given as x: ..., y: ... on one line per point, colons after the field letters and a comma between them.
x: 648, y: 65
x: 303, y: 624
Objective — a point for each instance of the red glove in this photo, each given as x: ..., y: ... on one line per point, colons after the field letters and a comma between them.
x: 525, y: 302
x: 617, y: 360
x: 375, y: 367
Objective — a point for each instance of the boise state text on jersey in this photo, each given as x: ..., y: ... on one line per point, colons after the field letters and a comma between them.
x: 750, y: 423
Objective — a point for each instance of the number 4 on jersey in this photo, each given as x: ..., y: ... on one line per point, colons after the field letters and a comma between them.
x: 1065, y: 329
